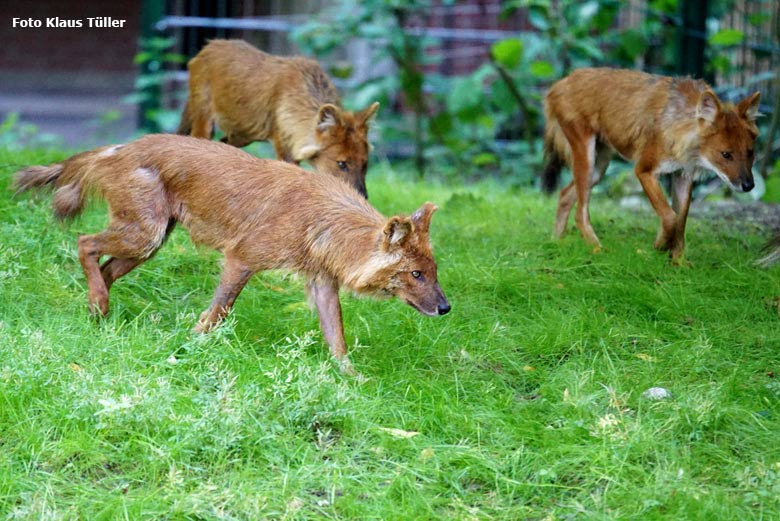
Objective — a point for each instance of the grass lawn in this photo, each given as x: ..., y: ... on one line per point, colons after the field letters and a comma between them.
x: 524, y: 402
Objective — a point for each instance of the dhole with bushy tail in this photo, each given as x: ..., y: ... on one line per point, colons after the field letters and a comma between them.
x: 664, y: 125
x: 254, y: 96
x: 261, y: 214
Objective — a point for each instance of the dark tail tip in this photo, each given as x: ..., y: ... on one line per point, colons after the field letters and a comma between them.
x: 552, y: 170
x: 185, y: 125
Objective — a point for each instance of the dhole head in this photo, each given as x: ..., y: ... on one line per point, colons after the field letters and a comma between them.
x: 727, y: 138
x: 340, y: 146
x: 412, y: 276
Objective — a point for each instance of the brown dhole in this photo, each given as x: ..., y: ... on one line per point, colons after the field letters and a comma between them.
x: 262, y: 214
x: 664, y: 125
x: 254, y: 96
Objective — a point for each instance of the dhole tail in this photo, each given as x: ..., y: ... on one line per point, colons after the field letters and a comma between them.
x: 553, y: 164
x: 185, y: 125
x: 68, y: 177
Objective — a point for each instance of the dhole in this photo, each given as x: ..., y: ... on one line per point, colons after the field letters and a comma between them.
x: 664, y: 125
x: 254, y: 96
x: 262, y: 214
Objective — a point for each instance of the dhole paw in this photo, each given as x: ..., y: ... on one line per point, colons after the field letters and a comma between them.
x: 346, y: 367
x: 679, y: 261
x: 98, y: 304
x: 205, y: 323
x: 663, y: 245
x: 665, y: 241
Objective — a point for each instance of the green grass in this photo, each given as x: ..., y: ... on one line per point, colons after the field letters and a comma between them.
x: 524, y: 402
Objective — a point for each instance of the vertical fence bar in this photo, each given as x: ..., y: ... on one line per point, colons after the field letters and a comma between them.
x: 151, y: 12
x: 691, y: 39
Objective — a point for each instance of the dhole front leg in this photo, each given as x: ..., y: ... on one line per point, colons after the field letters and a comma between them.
x: 666, y: 233
x: 234, y: 277
x: 682, y: 186
x: 324, y: 293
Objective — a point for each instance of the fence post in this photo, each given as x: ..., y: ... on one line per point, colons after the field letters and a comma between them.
x: 691, y: 39
x: 151, y: 12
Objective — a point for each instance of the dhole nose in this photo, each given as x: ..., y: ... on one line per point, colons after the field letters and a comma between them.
x: 747, y: 185
x: 444, y: 308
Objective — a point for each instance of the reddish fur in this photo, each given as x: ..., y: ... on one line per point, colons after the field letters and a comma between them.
x: 663, y: 124
x: 261, y: 214
x: 254, y: 96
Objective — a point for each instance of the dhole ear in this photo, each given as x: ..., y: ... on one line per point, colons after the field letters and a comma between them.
x: 329, y: 116
x: 396, y: 231
x: 708, y: 106
x: 422, y: 217
x: 308, y: 151
x: 367, y: 116
x: 748, y: 107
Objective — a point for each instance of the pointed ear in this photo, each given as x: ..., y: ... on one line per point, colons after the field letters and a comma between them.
x: 367, y: 115
x: 308, y: 151
x: 396, y: 231
x: 422, y: 217
x: 328, y: 117
x: 748, y: 107
x: 708, y: 106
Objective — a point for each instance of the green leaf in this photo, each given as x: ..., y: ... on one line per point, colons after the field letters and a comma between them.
x: 466, y: 94
x: 727, y: 37
x: 484, y: 159
x: 542, y: 69
x: 507, y: 52
x: 759, y: 18
x: 587, y: 10
x: 538, y: 18
x: 501, y: 96
x: 720, y: 63
x: 440, y: 124
x: 772, y: 193
x: 631, y: 44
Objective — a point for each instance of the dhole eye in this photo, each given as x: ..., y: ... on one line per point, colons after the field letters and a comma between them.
x: 727, y: 155
x: 342, y: 164
x: 416, y: 274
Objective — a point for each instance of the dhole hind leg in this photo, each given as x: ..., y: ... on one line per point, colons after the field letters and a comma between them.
x: 324, y: 294
x: 115, y: 267
x: 131, y: 249
x: 568, y: 194
x: 566, y: 201
x: 234, y: 277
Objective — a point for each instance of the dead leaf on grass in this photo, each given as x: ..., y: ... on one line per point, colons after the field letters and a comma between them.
x: 399, y: 433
